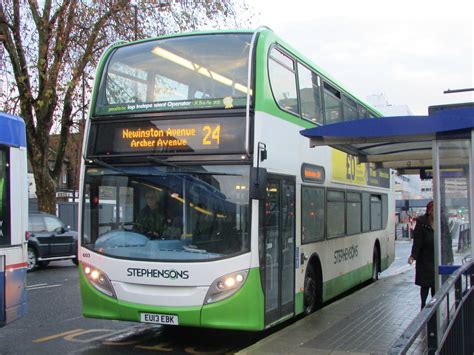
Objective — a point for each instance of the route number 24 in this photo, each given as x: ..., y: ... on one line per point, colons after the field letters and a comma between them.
x: 212, y: 135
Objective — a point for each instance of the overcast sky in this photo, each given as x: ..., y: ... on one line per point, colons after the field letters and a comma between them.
x: 409, y: 50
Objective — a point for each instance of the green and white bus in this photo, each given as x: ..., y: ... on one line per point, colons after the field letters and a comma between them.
x: 255, y: 227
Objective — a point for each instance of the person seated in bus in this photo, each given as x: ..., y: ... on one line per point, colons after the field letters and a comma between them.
x: 150, y: 220
x: 173, y: 228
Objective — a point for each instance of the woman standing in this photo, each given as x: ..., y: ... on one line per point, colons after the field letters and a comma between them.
x: 423, y: 252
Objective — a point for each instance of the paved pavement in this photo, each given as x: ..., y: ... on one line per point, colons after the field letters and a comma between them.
x: 366, y: 322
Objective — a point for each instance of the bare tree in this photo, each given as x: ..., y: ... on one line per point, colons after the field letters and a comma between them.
x: 49, y: 50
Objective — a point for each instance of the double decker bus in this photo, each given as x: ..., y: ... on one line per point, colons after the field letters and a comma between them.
x: 255, y: 227
x: 13, y: 218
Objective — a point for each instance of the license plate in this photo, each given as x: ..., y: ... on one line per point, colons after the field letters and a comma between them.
x: 159, y: 318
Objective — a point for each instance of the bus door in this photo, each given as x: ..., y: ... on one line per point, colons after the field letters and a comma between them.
x: 277, y: 229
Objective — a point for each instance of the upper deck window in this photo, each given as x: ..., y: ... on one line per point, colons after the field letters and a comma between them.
x: 332, y: 104
x: 283, y: 80
x: 310, y: 94
x: 193, y: 72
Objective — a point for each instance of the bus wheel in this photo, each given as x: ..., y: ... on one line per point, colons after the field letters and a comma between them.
x: 32, y: 259
x: 312, y: 291
x: 375, y: 264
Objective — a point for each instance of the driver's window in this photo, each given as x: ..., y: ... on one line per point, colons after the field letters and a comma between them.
x: 125, y: 204
x: 53, y: 224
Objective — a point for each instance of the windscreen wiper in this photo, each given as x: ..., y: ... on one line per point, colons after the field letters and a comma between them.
x: 106, y: 165
x: 162, y: 162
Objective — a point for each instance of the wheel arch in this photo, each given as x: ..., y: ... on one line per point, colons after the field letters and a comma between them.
x: 377, y: 247
x: 314, y: 266
x: 376, y: 261
x: 315, y: 263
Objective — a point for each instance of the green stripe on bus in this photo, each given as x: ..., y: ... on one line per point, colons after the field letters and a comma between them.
x: 336, y: 286
x: 244, y: 310
x: 342, y: 283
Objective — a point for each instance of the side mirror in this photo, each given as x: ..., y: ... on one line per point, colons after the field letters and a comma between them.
x: 59, y: 230
x: 258, y: 183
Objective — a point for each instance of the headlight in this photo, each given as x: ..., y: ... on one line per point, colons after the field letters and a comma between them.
x: 99, y: 280
x: 225, y: 286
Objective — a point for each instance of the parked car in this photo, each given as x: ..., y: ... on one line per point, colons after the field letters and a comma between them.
x: 49, y: 239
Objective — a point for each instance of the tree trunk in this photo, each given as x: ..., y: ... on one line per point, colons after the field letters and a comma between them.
x: 45, y: 189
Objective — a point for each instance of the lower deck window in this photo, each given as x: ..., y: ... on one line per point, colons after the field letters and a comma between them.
x: 335, y: 214
x: 354, y: 213
x: 375, y: 212
x: 312, y: 228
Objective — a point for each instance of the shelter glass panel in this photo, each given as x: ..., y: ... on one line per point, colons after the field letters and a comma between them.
x: 454, y: 184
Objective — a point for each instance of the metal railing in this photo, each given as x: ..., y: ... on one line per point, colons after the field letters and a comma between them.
x: 455, y: 315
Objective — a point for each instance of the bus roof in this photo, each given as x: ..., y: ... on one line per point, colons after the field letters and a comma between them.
x: 12, y: 130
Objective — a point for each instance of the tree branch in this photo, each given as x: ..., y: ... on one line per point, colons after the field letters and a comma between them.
x: 66, y: 120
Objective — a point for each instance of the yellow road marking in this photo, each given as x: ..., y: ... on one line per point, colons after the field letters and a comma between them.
x: 41, y: 340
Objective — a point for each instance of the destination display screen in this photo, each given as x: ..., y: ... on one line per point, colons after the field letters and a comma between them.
x: 203, y: 136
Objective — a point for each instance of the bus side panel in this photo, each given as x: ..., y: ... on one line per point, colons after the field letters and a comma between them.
x: 340, y: 284
x: 18, y: 199
x: 299, y: 303
x: 15, y: 257
x: 244, y: 310
x: 15, y: 292
x: 388, y: 257
x: 2, y: 290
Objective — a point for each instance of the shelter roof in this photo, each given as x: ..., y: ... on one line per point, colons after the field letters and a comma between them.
x: 403, y: 142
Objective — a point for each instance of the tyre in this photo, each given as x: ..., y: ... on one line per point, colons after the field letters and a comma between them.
x: 32, y: 259
x: 43, y: 264
x: 375, y: 264
x: 75, y: 261
x: 312, y: 291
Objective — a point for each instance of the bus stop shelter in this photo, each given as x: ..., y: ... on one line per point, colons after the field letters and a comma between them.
x: 439, y: 146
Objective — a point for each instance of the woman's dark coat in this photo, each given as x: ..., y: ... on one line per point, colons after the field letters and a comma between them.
x: 423, y: 252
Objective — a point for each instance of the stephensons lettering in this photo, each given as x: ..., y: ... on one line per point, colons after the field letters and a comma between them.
x: 155, y: 273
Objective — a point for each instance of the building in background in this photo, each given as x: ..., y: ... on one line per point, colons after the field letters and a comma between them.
x: 380, y: 102
x: 407, y: 187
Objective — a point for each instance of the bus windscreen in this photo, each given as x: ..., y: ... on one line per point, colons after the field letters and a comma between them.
x: 193, y: 72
